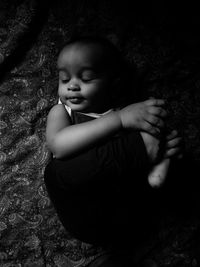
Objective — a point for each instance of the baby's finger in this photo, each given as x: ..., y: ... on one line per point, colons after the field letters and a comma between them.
x: 155, y: 102
x: 155, y: 121
x: 178, y: 155
x: 174, y: 142
x: 172, y: 135
x: 149, y: 128
x: 158, y: 111
x: 172, y: 152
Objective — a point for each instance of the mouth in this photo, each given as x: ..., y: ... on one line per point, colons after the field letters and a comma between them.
x: 75, y: 100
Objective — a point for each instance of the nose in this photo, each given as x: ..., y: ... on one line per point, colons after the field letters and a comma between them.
x: 73, y: 87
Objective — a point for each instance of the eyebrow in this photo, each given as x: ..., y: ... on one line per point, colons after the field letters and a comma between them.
x: 61, y: 69
x: 83, y: 68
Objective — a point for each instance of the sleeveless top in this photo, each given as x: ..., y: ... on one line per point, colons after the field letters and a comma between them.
x: 79, y: 117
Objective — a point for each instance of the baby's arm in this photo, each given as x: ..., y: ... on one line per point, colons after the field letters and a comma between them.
x: 65, y: 139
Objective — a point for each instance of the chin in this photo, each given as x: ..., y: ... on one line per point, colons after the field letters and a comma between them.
x: 78, y: 108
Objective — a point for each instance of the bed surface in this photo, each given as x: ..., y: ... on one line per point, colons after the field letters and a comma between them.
x: 166, y: 52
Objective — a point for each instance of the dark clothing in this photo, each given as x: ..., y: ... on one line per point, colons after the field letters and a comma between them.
x: 100, y: 194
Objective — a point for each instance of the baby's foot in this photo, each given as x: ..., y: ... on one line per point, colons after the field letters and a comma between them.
x: 173, y: 148
x: 158, y: 173
x: 152, y: 145
x: 159, y: 170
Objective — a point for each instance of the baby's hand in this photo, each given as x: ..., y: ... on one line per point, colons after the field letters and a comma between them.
x: 174, y: 145
x: 147, y: 116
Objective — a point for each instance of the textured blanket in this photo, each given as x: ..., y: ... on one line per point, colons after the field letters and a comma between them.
x: 163, y: 42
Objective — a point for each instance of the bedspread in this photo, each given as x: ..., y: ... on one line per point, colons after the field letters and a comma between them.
x: 31, y: 34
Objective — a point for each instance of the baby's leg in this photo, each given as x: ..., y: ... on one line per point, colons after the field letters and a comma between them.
x: 92, y: 192
x: 159, y: 170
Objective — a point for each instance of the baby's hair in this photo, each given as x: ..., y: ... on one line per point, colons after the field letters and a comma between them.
x: 113, y: 57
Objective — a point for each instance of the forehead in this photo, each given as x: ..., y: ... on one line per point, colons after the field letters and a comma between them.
x: 91, y: 55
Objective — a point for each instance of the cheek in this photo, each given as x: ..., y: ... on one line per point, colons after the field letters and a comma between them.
x: 61, y: 89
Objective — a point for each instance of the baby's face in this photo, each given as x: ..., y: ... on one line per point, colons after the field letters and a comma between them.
x: 83, y: 79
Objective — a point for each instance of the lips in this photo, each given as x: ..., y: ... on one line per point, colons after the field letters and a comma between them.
x: 76, y: 99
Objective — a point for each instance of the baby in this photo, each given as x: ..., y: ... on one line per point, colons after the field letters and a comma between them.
x: 89, y: 83
x: 103, y: 147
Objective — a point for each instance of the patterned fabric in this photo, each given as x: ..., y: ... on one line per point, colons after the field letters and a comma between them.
x: 31, y: 34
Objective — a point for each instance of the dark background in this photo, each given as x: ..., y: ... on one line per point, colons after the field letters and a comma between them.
x: 162, y: 38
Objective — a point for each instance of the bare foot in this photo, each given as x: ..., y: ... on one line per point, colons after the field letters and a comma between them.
x: 160, y: 161
x: 159, y: 170
x: 158, y: 173
x: 152, y: 145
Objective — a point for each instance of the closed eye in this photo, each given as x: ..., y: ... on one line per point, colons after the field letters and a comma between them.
x: 65, y: 80
x: 88, y: 76
x: 87, y: 79
x: 64, y: 77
